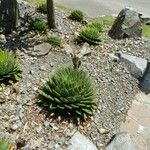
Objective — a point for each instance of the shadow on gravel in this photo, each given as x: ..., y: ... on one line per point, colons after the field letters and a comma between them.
x: 21, y: 41
x: 144, y: 83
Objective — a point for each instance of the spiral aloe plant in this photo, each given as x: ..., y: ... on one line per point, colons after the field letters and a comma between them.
x: 90, y: 35
x: 6, y: 145
x: 10, y: 69
x: 70, y: 90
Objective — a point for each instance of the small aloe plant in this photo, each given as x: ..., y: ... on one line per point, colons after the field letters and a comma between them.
x: 70, y: 90
x: 10, y: 68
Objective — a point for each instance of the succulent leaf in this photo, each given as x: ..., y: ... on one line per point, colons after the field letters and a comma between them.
x: 90, y: 35
x: 76, y: 96
x: 10, y: 69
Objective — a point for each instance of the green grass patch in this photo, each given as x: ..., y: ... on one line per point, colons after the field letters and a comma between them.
x: 38, y: 25
x: 146, y: 31
x: 107, y: 20
x: 54, y: 40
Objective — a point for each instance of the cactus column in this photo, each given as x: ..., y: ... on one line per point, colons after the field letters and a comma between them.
x: 8, y: 15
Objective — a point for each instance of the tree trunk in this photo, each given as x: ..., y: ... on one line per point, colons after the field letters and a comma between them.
x: 8, y: 15
x: 50, y: 14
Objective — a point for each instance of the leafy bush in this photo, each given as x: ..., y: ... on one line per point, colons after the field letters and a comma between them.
x: 38, y: 25
x: 9, y: 67
x: 77, y: 15
x: 54, y: 40
x: 96, y: 24
x: 89, y: 35
x: 5, y: 145
x: 70, y: 91
x: 42, y: 8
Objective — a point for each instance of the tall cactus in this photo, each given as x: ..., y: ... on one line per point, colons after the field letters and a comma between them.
x: 8, y: 15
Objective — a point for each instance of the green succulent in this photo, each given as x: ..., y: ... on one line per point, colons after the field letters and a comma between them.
x: 54, y: 40
x: 6, y: 145
x: 77, y: 15
x: 42, y: 8
x: 10, y: 68
x: 38, y: 25
x: 96, y: 24
x: 71, y: 92
x: 89, y: 35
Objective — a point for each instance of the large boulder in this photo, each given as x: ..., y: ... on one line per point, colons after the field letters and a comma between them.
x: 145, y: 83
x: 126, y: 25
x: 122, y: 141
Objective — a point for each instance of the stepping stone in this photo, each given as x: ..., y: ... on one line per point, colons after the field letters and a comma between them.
x: 138, y: 121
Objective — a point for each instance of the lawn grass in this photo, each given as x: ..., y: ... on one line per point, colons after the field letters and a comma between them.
x: 58, y: 5
x: 146, y: 31
x: 107, y: 20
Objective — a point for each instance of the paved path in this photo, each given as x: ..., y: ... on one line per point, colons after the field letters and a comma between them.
x: 138, y: 121
x: 107, y: 7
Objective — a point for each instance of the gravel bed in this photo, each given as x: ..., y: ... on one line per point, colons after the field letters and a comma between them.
x: 24, y: 122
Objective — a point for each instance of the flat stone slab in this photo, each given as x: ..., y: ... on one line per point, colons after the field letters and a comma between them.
x: 41, y: 49
x: 143, y: 98
x: 140, y: 113
x: 80, y: 142
x: 122, y: 141
x: 138, y: 121
x: 140, y: 133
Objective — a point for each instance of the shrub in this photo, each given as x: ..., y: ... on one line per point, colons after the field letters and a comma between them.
x: 5, y: 145
x: 77, y: 15
x: 89, y: 35
x: 54, y: 40
x: 96, y: 24
x: 38, y: 25
x: 70, y: 91
x: 10, y: 69
x: 42, y: 8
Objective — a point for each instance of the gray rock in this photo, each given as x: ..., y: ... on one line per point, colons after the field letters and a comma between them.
x: 127, y: 24
x: 68, y: 49
x: 42, y: 68
x: 2, y: 38
x: 136, y: 65
x: 85, y: 50
x: 145, y: 19
x: 14, y: 127
x: 41, y: 49
x: 145, y: 83
x: 80, y: 142
x: 24, y: 8
x: 122, y: 141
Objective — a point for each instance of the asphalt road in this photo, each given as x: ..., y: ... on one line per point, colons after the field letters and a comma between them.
x: 95, y: 8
